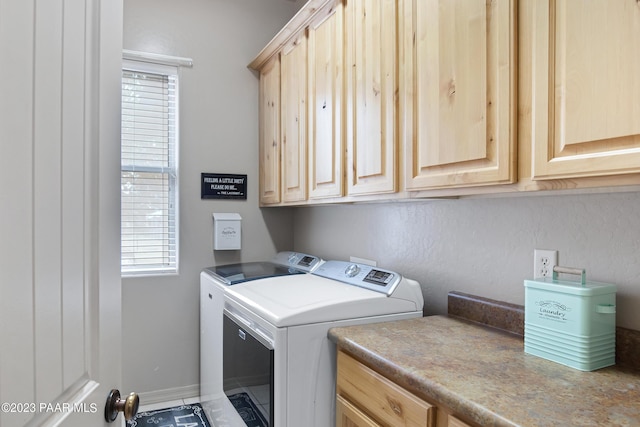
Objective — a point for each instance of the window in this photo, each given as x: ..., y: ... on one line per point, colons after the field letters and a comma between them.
x: 149, y: 163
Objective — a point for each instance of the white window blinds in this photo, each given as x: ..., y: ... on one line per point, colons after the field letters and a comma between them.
x: 149, y: 180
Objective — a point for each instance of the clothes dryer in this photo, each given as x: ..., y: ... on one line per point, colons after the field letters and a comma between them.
x: 213, y: 282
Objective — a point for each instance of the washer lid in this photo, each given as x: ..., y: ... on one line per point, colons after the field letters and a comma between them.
x: 304, y: 299
x: 232, y: 274
x: 283, y: 264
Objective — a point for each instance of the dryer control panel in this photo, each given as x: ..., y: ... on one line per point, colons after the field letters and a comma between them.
x: 303, y: 262
x: 362, y: 275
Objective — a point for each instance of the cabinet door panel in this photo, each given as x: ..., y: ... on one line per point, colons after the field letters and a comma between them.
x: 269, y: 150
x: 454, y: 51
x: 325, y: 101
x: 371, y: 35
x: 293, y: 69
x: 457, y: 78
x: 586, y: 69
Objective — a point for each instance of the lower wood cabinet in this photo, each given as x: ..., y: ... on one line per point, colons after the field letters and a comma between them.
x: 366, y: 398
x: 455, y: 422
x: 377, y: 400
x: 347, y: 415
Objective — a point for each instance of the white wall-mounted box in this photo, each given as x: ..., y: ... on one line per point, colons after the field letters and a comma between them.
x: 227, y: 231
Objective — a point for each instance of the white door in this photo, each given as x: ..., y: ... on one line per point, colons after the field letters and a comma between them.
x: 60, y: 326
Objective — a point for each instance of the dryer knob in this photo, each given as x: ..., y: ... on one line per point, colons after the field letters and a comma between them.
x: 352, y: 270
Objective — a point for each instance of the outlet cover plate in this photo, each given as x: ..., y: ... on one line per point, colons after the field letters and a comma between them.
x: 543, y: 262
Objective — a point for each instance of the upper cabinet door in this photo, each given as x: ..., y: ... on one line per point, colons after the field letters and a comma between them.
x: 371, y: 89
x: 584, y: 70
x: 457, y: 109
x: 293, y: 70
x: 325, y: 102
x: 269, y: 156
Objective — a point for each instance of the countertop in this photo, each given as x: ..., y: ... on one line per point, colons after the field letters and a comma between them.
x: 484, y: 375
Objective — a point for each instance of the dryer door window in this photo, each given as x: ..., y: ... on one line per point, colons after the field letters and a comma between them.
x: 247, y: 370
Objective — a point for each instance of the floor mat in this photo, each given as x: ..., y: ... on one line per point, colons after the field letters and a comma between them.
x: 190, y: 415
x: 250, y: 414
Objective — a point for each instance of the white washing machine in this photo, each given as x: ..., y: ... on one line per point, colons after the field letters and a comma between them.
x: 213, y: 282
x: 276, y: 336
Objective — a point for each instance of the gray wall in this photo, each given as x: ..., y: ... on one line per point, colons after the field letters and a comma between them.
x: 219, y: 133
x: 485, y: 246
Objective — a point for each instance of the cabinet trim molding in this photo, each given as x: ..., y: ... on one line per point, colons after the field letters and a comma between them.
x: 300, y: 20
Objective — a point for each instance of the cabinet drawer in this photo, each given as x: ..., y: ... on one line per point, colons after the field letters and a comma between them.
x: 348, y: 415
x: 378, y: 397
x: 455, y: 422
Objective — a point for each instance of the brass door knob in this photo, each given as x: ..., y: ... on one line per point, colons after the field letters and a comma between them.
x: 114, y: 405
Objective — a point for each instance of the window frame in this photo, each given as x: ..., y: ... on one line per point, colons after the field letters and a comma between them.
x: 165, y: 69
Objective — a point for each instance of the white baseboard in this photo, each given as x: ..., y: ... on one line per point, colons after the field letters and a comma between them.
x: 167, y: 395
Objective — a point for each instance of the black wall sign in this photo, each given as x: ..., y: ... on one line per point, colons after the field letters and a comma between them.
x: 223, y: 186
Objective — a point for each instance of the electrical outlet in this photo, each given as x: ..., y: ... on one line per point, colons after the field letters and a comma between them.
x: 543, y: 262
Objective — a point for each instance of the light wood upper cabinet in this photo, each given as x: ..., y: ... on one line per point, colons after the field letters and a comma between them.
x: 293, y: 109
x: 384, y: 99
x: 269, y: 145
x: 371, y: 89
x: 581, y: 73
x: 457, y: 97
x: 325, y: 143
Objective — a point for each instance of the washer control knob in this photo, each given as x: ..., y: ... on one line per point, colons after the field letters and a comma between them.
x: 352, y: 270
x: 292, y: 257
